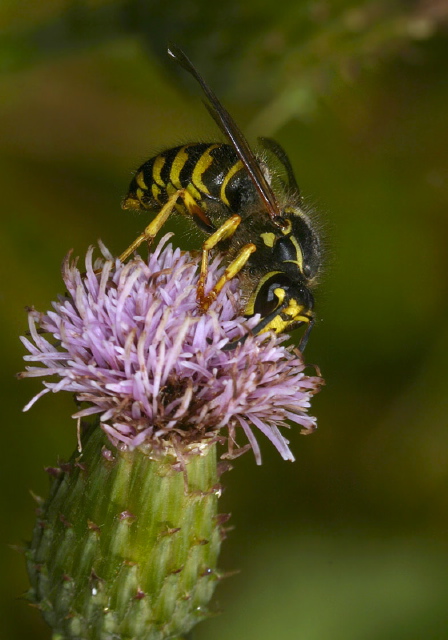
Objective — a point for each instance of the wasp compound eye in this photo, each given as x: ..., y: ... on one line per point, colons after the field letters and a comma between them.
x: 307, y: 271
x: 267, y: 299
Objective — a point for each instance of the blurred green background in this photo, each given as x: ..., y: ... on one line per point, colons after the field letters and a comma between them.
x: 350, y: 541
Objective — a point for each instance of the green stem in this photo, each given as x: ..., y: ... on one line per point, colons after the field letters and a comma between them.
x: 127, y: 546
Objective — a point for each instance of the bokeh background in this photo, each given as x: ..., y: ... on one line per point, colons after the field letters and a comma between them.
x: 350, y: 541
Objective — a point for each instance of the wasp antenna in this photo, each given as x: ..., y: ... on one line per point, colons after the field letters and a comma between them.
x: 304, y: 341
x: 231, y: 346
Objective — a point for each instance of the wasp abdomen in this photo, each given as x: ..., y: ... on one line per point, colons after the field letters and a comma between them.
x: 209, y: 172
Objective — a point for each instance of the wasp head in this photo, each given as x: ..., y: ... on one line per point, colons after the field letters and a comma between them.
x: 298, y: 248
x: 283, y: 304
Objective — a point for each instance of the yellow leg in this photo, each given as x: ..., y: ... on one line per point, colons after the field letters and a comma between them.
x: 226, y: 230
x: 231, y: 271
x: 155, y: 225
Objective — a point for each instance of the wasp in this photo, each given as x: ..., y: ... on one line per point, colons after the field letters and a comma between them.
x: 263, y: 231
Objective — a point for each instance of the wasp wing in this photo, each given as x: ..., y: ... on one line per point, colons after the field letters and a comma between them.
x: 228, y: 126
x: 277, y: 150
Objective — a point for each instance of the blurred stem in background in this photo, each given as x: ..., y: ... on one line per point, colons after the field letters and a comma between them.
x: 304, y: 49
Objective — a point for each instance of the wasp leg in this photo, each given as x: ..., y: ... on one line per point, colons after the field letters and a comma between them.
x: 225, y: 231
x: 155, y: 225
x: 231, y: 271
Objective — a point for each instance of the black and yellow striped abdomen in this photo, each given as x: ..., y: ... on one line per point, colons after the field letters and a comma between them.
x: 210, y: 172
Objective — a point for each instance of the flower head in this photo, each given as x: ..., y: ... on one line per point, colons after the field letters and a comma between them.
x: 130, y: 342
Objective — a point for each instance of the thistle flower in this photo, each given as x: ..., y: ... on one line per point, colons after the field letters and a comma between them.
x: 126, y: 545
x: 131, y: 344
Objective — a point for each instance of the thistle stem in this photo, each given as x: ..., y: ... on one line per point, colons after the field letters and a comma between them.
x: 127, y: 546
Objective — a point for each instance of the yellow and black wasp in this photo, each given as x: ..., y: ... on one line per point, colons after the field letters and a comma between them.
x: 265, y: 233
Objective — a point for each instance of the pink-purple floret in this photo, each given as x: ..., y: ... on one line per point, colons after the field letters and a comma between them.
x: 129, y: 342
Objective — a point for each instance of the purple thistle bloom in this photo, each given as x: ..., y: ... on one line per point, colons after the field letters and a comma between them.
x: 130, y: 343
